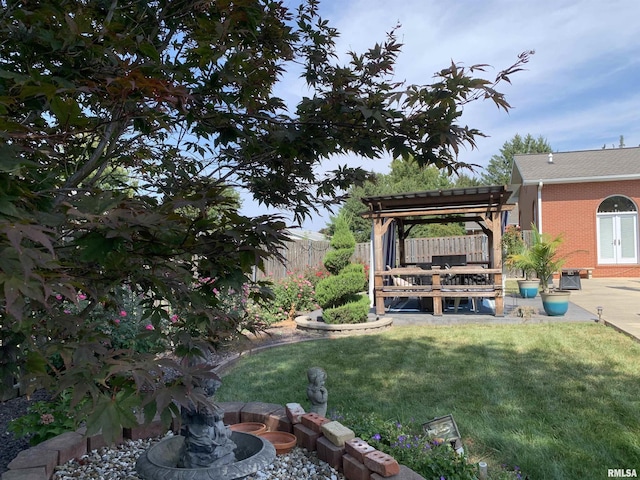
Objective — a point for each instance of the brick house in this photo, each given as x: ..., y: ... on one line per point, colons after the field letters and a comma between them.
x: 590, y: 197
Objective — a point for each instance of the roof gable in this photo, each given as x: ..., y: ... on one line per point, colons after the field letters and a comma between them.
x: 576, y: 167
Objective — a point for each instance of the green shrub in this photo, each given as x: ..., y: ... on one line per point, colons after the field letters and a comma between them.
x: 343, y: 244
x: 338, y: 293
x: 338, y: 289
x: 337, y: 260
x: 356, y: 310
x: 45, y: 420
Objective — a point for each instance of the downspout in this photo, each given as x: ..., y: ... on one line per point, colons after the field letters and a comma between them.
x: 540, y: 184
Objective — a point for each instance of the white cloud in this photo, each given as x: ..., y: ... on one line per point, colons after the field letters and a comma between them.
x: 580, y: 90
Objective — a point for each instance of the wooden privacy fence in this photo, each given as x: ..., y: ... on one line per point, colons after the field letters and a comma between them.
x: 304, y: 254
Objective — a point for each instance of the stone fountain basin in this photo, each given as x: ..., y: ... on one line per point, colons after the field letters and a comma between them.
x: 159, y: 462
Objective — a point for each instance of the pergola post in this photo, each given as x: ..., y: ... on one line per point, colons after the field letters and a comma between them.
x: 380, y: 227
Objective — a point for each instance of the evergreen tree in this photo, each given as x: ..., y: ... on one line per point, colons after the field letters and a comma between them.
x: 498, y: 171
x: 405, y: 175
x: 338, y: 294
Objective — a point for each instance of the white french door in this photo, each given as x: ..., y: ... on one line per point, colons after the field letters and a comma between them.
x: 618, y: 238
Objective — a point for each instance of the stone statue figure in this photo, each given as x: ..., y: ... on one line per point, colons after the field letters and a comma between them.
x: 316, y: 391
x: 207, y: 440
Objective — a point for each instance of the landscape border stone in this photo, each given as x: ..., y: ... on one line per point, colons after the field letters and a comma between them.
x: 305, y: 322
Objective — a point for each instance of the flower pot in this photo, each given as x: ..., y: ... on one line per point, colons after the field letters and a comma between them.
x: 255, y: 428
x: 555, y: 303
x: 282, y: 441
x: 528, y: 288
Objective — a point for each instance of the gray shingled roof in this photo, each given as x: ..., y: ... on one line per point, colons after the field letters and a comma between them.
x: 576, y: 167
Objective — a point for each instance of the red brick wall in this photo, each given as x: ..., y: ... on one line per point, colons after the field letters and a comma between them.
x: 570, y: 209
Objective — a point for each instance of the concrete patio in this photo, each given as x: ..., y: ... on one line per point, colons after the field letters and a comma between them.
x: 618, y: 297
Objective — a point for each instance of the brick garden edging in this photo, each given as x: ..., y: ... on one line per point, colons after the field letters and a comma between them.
x: 356, y: 459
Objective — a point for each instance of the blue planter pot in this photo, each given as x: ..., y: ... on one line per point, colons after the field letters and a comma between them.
x: 528, y: 288
x: 555, y: 303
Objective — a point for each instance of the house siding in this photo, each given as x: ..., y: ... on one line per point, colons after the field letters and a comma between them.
x: 570, y: 209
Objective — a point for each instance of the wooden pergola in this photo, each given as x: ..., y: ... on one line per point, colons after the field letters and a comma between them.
x: 484, y: 205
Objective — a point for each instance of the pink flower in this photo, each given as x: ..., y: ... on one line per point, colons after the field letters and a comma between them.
x: 116, y: 321
x: 46, y: 418
x: 149, y: 327
x: 67, y: 312
x: 82, y: 296
x: 58, y: 297
x: 215, y: 291
x: 173, y: 318
x: 123, y: 313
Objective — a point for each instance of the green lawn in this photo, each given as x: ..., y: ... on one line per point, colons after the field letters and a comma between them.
x: 561, y: 401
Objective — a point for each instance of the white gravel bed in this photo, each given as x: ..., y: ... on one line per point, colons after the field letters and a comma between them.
x: 119, y: 463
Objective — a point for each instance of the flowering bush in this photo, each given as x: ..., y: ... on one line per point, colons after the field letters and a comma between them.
x: 315, y: 274
x: 119, y: 318
x: 295, y: 293
x: 512, y: 241
x: 45, y: 420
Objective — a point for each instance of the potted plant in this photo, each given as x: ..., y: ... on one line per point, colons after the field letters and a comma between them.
x: 513, y: 245
x: 542, y: 258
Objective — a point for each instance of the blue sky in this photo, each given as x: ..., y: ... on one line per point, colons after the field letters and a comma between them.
x: 581, y: 89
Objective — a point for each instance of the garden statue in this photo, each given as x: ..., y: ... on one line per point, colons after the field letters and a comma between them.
x: 207, y: 440
x: 316, y: 391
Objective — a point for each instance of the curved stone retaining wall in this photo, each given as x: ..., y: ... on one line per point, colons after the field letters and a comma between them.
x: 306, y: 323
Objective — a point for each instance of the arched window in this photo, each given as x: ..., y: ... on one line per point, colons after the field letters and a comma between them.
x: 617, y: 230
x: 617, y: 204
